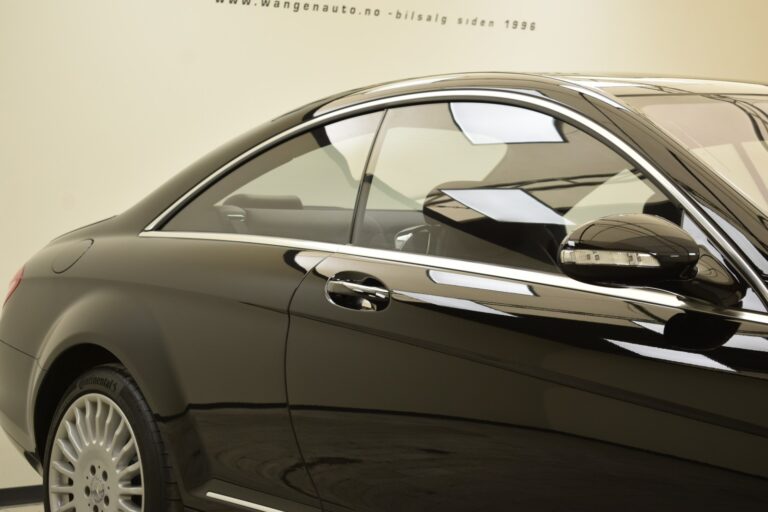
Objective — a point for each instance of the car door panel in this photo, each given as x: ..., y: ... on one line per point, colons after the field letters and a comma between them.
x: 491, y: 392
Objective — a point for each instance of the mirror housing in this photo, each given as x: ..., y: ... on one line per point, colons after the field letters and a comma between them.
x: 632, y: 249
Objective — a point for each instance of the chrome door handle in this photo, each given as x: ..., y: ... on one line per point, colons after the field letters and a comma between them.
x: 354, y: 295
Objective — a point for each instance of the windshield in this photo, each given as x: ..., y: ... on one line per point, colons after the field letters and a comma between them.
x: 726, y: 132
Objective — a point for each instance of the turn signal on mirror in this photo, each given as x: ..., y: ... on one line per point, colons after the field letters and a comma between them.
x: 613, y: 258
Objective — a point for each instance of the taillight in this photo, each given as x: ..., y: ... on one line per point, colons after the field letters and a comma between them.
x: 15, y: 282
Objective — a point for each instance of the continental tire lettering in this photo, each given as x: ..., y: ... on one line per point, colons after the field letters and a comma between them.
x: 103, y: 382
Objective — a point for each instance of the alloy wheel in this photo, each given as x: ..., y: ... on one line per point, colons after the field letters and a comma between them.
x: 95, y: 463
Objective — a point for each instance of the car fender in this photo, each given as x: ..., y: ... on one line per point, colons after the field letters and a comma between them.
x: 118, y: 322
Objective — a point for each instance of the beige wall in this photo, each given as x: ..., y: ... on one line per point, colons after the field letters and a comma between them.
x: 102, y: 101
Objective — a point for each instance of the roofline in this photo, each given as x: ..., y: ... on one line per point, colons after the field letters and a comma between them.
x: 567, y: 83
x: 650, y: 77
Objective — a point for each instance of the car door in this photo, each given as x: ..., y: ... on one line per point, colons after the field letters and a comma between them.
x: 224, y: 269
x: 443, y: 362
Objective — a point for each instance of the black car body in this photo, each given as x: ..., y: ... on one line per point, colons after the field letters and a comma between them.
x: 413, y: 345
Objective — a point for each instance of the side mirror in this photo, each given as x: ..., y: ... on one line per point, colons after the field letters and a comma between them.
x: 634, y: 249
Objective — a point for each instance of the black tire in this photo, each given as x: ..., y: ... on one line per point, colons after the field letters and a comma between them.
x: 114, y: 382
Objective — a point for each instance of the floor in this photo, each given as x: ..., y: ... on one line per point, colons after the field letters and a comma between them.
x: 15, y: 472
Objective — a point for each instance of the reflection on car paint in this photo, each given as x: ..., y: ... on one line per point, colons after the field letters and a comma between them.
x: 753, y: 343
x: 479, y: 283
x: 454, y: 303
x: 673, y: 356
x: 657, y: 328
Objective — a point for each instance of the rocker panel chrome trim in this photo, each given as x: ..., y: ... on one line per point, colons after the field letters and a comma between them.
x: 242, y: 503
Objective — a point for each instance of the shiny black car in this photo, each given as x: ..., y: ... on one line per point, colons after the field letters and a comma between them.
x: 481, y: 292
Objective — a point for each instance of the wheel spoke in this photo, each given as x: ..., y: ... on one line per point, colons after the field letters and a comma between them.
x: 64, y: 470
x: 80, y: 427
x: 107, y: 424
x: 127, y: 473
x: 97, y: 420
x: 118, y: 433
x: 89, y: 421
x: 131, y: 491
x: 128, y: 449
x: 73, y: 438
x: 62, y: 489
x: 124, y: 505
x: 67, y: 450
x: 66, y: 506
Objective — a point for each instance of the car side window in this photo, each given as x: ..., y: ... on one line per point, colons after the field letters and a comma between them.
x: 304, y: 188
x: 493, y: 183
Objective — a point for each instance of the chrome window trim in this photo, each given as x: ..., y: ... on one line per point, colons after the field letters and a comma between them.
x: 546, y: 104
x: 455, y: 94
x: 647, y: 295
x: 239, y: 502
x: 597, y: 94
x: 485, y: 269
x: 293, y: 243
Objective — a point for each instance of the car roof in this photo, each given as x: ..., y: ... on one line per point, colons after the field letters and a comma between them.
x: 609, y: 87
x: 619, y: 86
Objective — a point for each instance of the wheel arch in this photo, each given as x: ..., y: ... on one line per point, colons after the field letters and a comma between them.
x: 63, y: 371
x: 103, y: 326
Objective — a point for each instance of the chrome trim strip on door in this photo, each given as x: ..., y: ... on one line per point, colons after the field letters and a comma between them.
x: 647, y: 295
x: 242, y: 503
x: 293, y: 243
x: 486, y: 269
x: 468, y: 94
x: 659, y: 297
